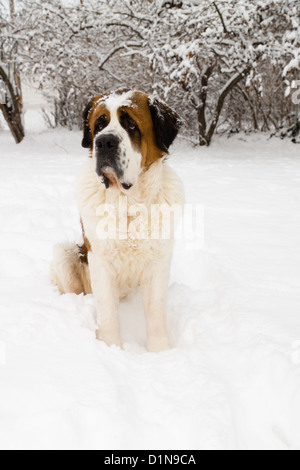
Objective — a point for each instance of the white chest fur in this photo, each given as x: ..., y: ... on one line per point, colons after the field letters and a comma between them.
x: 131, y: 247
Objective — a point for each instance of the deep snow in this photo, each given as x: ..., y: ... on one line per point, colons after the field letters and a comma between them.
x: 233, y: 378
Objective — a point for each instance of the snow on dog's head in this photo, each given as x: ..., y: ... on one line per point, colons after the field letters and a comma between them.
x: 127, y: 131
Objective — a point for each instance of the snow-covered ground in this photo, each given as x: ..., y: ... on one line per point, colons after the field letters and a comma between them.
x: 232, y: 379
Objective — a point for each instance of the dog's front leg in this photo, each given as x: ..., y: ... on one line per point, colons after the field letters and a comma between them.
x: 154, y: 288
x: 107, y: 301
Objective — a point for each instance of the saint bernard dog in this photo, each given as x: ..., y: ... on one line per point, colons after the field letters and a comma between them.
x: 128, y: 135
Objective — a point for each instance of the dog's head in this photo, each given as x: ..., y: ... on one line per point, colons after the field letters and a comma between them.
x: 126, y: 132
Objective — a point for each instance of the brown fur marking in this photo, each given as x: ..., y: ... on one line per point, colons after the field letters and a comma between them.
x: 85, y: 248
x: 140, y: 113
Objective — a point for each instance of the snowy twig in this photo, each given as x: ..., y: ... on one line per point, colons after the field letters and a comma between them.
x: 221, y: 18
x: 115, y: 51
x: 124, y: 25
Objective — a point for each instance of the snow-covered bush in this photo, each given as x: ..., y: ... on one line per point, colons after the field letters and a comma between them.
x: 11, y: 104
x: 203, y: 52
x: 75, y: 51
x: 225, y: 64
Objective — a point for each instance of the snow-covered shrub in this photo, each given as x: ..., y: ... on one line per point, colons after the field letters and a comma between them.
x: 11, y: 103
x: 223, y: 64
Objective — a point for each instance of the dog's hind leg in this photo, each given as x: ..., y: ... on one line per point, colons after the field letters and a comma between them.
x: 70, y: 269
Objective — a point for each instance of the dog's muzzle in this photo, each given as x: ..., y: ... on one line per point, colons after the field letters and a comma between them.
x: 107, y: 150
x: 108, y: 160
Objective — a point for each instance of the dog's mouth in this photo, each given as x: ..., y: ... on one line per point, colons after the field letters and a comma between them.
x: 111, y: 180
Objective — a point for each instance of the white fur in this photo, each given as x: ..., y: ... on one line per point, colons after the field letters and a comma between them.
x: 118, y: 267
x: 68, y: 272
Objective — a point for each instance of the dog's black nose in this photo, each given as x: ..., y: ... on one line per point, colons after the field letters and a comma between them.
x: 107, y: 143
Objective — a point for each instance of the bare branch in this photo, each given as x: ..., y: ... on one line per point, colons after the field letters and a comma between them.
x: 131, y: 15
x: 124, y: 25
x: 226, y: 90
x: 115, y: 51
x: 110, y: 55
x: 221, y: 18
x: 12, y: 8
x: 112, y: 75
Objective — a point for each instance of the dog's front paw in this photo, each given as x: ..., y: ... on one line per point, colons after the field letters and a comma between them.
x: 158, y: 344
x: 110, y: 338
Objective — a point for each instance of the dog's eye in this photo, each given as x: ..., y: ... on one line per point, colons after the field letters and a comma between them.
x: 132, y: 127
x: 128, y: 123
x: 100, y: 124
x: 99, y: 127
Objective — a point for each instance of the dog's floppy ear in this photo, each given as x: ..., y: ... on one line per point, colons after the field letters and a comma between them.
x: 166, y: 123
x: 87, y: 141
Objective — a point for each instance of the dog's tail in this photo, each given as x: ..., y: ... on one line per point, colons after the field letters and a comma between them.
x: 70, y: 269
